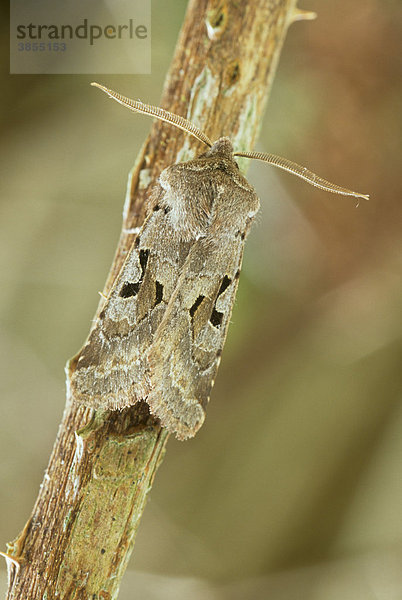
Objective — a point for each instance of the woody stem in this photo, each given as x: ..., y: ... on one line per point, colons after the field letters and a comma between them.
x: 78, y: 539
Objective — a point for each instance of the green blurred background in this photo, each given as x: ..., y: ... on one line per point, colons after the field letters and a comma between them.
x: 293, y: 487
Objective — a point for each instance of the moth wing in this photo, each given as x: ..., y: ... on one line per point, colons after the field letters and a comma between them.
x: 185, y: 354
x: 110, y: 371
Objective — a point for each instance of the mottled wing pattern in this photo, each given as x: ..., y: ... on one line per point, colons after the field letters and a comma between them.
x: 110, y: 369
x: 186, y: 352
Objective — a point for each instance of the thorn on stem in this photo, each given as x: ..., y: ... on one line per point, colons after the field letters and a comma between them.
x: 299, y: 14
x: 11, y: 559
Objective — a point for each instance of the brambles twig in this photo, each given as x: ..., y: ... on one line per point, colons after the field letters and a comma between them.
x: 79, y: 537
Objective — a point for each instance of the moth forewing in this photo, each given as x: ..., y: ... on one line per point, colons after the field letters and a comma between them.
x: 193, y: 331
x: 111, y: 371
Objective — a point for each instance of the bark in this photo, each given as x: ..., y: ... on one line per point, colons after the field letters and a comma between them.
x: 80, y: 535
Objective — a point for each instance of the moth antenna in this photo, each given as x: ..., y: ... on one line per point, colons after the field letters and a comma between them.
x: 302, y: 172
x: 158, y: 113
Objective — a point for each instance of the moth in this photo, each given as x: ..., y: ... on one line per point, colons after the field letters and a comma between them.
x: 160, y: 334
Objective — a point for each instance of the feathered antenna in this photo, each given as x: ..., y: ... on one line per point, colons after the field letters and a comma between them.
x: 302, y: 172
x: 159, y: 113
x: 188, y: 127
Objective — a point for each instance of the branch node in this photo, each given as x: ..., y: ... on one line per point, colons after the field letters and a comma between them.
x: 299, y: 14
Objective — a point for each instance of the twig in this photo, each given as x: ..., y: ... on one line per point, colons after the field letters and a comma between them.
x: 79, y: 537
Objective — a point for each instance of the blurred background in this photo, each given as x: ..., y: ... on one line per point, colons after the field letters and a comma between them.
x: 293, y: 487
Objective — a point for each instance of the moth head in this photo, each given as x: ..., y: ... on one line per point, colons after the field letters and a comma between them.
x: 223, y: 146
x: 226, y: 145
